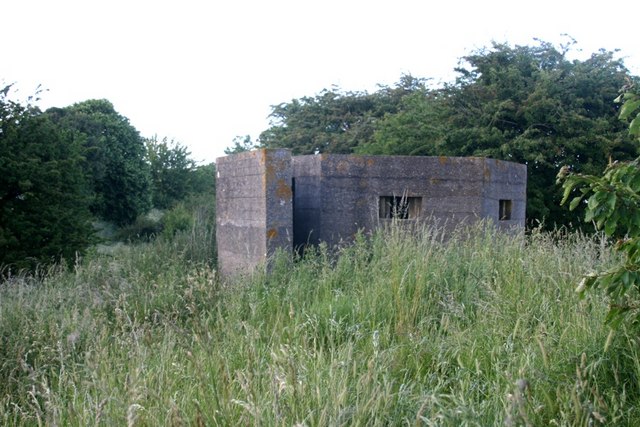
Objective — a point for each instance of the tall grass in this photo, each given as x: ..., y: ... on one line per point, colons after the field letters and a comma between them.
x: 483, y: 329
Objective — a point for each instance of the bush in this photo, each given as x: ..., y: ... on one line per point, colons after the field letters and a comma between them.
x: 145, y: 228
x: 175, y: 220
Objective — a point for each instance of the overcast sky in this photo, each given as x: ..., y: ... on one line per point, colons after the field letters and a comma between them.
x: 203, y: 72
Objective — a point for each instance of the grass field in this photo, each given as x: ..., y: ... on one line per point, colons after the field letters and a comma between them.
x: 482, y: 329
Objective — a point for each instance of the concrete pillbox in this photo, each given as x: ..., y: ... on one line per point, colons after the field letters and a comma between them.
x: 269, y: 200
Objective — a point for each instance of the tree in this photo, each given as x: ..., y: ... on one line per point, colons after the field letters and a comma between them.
x: 171, y: 171
x: 630, y: 99
x: 527, y: 104
x: 115, y: 155
x: 44, y: 194
x: 240, y: 145
x: 416, y: 128
x: 530, y: 104
x: 334, y: 121
x: 613, y: 204
x: 203, y: 180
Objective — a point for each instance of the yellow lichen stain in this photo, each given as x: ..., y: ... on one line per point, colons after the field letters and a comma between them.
x: 443, y: 160
x: 342, y: 166
x: 359, y: 161
x: 487, y: 172
x: 434, y: 181
x: 272, y: 233
x: 283, y: 191
x: 270, y: 172
x: 370, y: 162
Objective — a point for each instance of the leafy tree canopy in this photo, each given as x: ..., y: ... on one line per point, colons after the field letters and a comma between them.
x: 240, y: 145
x: 44, y: 194
x: 115, y: 155
x: 334, y: 121
x: 203, y: 180
x: 613, y: 204
x: 415, y: 129
x: 171, y: 171
x: 528, y: 104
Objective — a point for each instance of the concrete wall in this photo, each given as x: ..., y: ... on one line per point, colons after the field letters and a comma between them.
x: 268, y: 200
x: 279, y: 200
x: 505, y: 181
x: 342, y: 194
x: 254, y: 213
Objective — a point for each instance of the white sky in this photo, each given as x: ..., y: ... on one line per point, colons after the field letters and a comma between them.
x: 203, y: 72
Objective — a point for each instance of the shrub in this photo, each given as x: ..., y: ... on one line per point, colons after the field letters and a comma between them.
x: 175, y: 220
x: 144, y: 229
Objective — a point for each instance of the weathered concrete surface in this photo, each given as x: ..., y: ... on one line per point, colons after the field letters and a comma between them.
x: 268, y: 200
x: 505, y: 181
x: 341, y: 193
x: 254, y: 212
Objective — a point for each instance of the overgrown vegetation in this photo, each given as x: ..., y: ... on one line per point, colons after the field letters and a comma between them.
x: 529, y: 104
x: 484, y: 329
x: 613, y: 205
x: 68, y: 168
x: 114, y: 158
x: 44, y: 197
x: 481, y: 328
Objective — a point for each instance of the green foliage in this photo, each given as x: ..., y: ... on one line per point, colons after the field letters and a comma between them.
x: 60, y: 167
x: 171, y: 170
x: 196, y: 243
x: 187, y: 230
x: 630, y: 110
x: 416, y: 128
x: 613, y: 205
x: 175, y: 220
x: 334, y: 121
x: 203, y: 181
x: 44, y: 196
x: 175, y: 177
x: 395, y: 330
x: 532, y: 105
x: 240, y: 145
x: 144, y: 229
x: 115, y: 156
x: 528, y: 104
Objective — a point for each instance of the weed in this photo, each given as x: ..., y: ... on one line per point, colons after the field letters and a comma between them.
x: 403, y: 327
